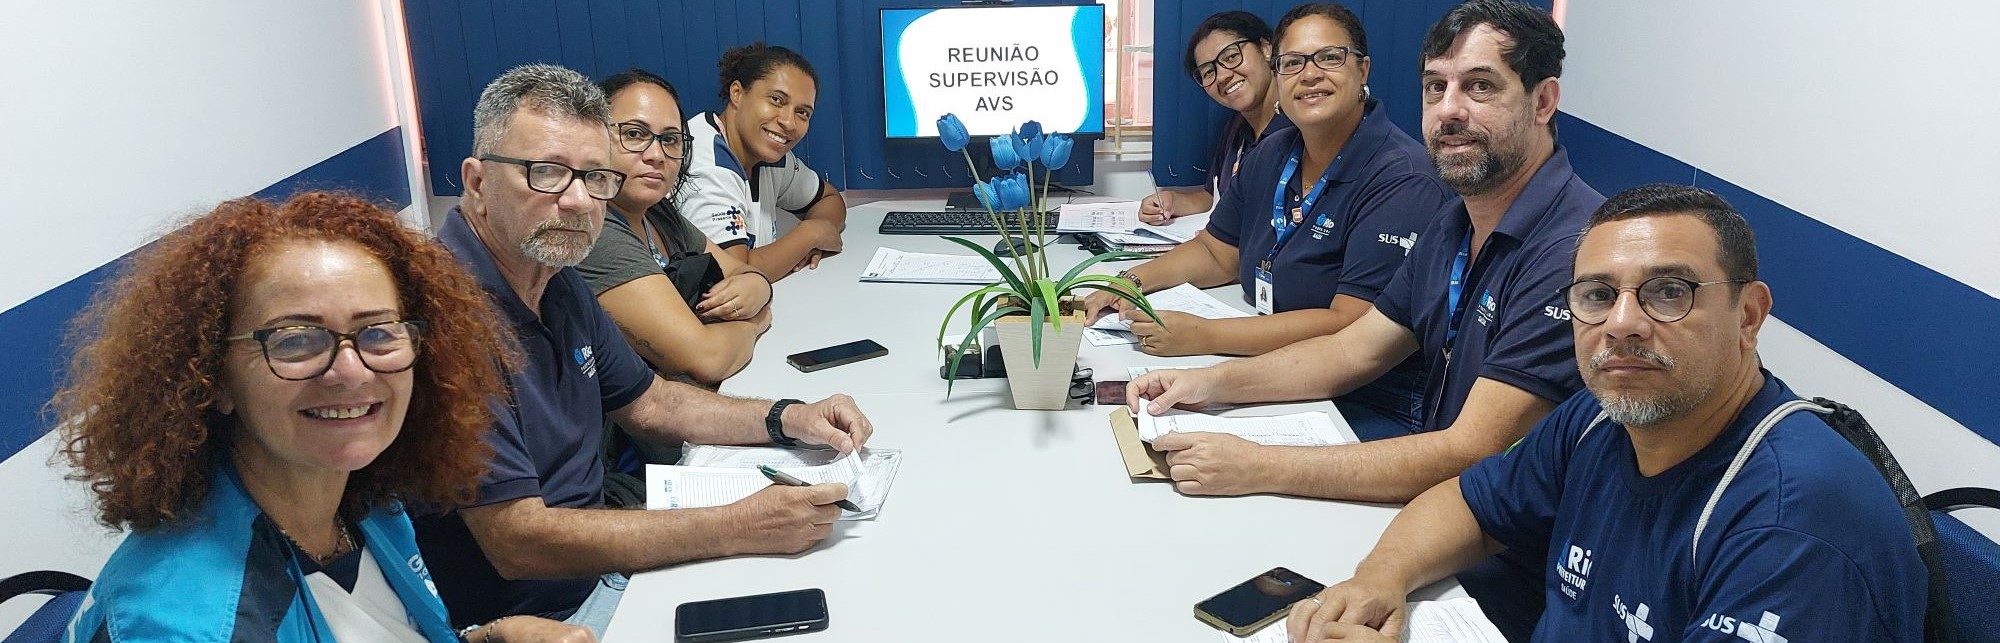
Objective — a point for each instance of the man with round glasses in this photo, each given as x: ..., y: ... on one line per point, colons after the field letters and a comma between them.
x: 536, y: 540
x: 1229, y: 55
x: 1676, y: 499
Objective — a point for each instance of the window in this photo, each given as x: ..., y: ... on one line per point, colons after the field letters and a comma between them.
x: 1128, y: 73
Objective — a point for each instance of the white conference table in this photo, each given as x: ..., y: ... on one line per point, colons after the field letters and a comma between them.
x: 1003, y: 525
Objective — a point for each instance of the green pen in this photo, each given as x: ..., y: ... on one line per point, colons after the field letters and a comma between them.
x: 783, y: 478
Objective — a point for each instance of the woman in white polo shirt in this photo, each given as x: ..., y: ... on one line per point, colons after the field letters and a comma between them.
x: 741, y: 171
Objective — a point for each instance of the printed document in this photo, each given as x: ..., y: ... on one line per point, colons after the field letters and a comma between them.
x: 1308, y: 429
x: 1456, y: 620
x: 1113, y: 329
x: 895, y: 266
x: 1116, y: 217
x: 712, y: 476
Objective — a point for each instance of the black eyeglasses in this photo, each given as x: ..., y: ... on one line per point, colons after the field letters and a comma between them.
x: 305, y: 352
x: 1230, y: 57
x: 1665, y: 299
x: 1329, y: 58
x: 550, y: 177
x: 636, y: 138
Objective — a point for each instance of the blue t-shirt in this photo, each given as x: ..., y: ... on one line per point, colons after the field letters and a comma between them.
x: 547, y: 442
x: 1807, y: 543
x: 1382, y: 189
x: 1237, y: 141
x: 1513, y: 325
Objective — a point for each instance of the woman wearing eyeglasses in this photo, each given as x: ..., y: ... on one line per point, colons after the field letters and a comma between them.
x: 1314, y: 225
x: 742, y: 175
x: 688, y: 307
x: 1230, y: 56
x: 257, y: 398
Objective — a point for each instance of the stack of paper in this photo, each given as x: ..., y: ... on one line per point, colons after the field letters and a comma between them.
x: 895, y: 266
x: 1120, y: 216
x: 1114, y: 329
x: 1309, y: 429
x: 1456, y: 620
x: 712, y: 476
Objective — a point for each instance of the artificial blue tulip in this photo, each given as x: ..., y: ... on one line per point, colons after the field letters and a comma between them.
x: 1030, y: 130
x: 952, y: 133
x: 1005, y: 156
x: 1035, y: 147
x: 984, y: 190
x: 1013, y: 191
x: 1055, y: 152
x: 1022, y: 151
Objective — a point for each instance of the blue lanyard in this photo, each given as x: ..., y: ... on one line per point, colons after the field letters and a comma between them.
x: 1456, y: 291
x: 644, y: 235
x: 1282, y: 224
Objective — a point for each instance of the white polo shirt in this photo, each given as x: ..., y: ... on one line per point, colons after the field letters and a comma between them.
x: 733, y: 205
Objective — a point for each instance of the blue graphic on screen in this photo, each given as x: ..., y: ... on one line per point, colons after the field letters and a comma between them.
x: 994, y: 67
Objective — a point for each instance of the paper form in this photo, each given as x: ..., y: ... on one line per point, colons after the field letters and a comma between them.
x: 1119, y: 216
x: 1456, y: 620
x: 670, y: 486
x: 1133, y: 372
x: 895, y: 266
x: 1309, y: 429
x: 1184, y: 298
x: 868, y: 488
x: 1178, y: 230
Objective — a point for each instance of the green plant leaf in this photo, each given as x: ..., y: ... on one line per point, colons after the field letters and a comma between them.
x: 1036, y: 311
x: 1014, y: 281
x: 1122, y: 293
x: 1109, y: 256
x: 976, y: 305
x: 972, y: 337
x: 1054, y: 299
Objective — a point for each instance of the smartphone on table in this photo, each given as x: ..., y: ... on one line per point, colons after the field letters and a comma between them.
x: 751, y: 617
x: 1255, y: 603
x: 832, y: 356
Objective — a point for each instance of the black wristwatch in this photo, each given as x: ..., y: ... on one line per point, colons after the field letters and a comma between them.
x: 775, y: 425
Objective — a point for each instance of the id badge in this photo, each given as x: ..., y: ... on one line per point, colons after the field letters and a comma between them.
x: 1263, y: 291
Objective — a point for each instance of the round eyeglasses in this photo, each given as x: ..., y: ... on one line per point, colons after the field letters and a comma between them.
x: 300, y: 353
x: 1329, y: 58
x: 1665, y: 299
x: 1230, y: 57
x: 636, y: 138
x: 550, y: 177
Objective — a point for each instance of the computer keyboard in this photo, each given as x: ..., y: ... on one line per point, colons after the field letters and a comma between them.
x: 957, y: 222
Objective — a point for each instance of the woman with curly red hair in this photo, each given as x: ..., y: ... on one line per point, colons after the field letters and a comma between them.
x: 257, y: 396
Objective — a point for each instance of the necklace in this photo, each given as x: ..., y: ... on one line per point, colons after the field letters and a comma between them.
x: 342, y: 545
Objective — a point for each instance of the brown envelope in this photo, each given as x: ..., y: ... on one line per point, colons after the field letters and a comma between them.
x: 1141, y: 461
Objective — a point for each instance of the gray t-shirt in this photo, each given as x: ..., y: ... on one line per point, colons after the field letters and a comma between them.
x: 622, y: 255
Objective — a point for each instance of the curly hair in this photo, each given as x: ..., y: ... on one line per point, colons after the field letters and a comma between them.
x: 137, y: 403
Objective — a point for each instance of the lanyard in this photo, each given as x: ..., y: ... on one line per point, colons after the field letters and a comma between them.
x: 644, y: 235
x: 1455, y: 293
x: 1282, y: 224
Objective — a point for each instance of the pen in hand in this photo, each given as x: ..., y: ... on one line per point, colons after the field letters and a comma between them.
x: 783, y: 478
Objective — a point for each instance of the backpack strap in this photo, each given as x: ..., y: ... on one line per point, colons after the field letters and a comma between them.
x: 1850, y: 425
x: 1736, y: 464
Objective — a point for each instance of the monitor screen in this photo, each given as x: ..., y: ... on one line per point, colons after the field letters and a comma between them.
x: 995, y: 67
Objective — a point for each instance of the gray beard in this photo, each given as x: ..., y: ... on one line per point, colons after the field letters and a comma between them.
x: 1483, y: 174
x: 545, y: 249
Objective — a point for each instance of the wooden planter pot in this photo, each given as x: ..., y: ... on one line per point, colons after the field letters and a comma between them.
x: 1044, y: 387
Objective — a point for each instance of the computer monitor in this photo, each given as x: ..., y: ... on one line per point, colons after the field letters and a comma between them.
x: 995, y: 67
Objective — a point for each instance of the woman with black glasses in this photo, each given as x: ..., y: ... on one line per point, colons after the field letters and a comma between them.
x: 688, y: 307
x: 257, y: 397
x: 1314, y: 226
x: 1230, y: 56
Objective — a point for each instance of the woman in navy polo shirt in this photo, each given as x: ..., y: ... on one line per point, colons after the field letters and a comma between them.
x: 1230, y: 56
x: 1316, y: 223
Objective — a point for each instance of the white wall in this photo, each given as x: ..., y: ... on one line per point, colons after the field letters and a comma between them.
x: 1871, y: 117
x: 120, y: 118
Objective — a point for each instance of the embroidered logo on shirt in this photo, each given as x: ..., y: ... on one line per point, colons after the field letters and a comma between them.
x: 735, y: 225
x: 1405, y: 242
x: 1634, y: 620
x: 1488, y: 307
x: 1765, y: 630
x: 1574, y: 570
x: 1557, y: 313
x: 586, y: 361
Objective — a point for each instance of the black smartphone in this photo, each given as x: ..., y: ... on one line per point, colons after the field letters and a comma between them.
x: 1111, y: 393
x: 832, y: 356
x: 751, y: 617
x: 1248, y: 607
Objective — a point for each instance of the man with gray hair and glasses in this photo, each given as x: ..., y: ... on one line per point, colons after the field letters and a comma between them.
x: 1681, y: 497
x: 537, y: 540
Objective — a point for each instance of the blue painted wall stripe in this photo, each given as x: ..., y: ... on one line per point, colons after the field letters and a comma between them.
x: 1917, y: 329
x: 31, y: 334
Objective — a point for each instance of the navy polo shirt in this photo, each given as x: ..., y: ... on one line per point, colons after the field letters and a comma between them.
x: 1514, y: 326
x: 1807, y: 543
x: 546, y: 442
x: 1238, y: 140
x: 1382, y: 191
